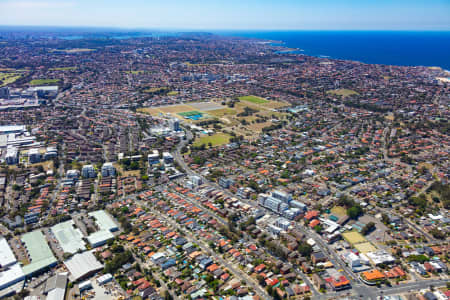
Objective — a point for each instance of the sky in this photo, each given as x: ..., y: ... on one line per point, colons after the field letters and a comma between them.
x: 231, y: 14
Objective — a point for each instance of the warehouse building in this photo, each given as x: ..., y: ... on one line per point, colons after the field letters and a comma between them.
x: 82, y: 266
x: 70, y: 238
x: 40, y: 255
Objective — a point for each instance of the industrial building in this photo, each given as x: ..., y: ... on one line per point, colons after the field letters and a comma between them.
x: 106, y: 225
x: 70, y: 239
x: 82, y: 265
x: 7, y: 257
x: 40, y: 255
x: 55, y: 287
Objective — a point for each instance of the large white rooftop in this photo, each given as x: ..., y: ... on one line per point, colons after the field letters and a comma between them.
x: 6, y: 255
x: 103, y: 220
x: 70, y: 238
x: 12, y: 275
x: 82, y: 264
x: 12, y: 129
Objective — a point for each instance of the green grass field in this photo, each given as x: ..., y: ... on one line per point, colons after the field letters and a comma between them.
x: 190, y: 113
x: 7, y: 78
x: 74, y: 50
x: 254, y: 99
x: 44, y: 81
x: 135, y: 72
x: 155, y: 89
x: 339, y: 211
x: 63, y: 69
x: 354, y: 237
x: 222, y: 112
x: 215, y: 139
x: 343, y: 92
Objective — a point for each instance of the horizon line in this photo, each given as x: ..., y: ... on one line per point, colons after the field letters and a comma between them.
x: 175, y: 29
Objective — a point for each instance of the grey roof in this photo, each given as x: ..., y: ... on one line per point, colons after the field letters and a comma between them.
x: 57, y: 281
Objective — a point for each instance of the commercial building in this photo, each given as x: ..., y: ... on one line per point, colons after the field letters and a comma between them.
x: 73, y: 174
x: 15, y: 129
x: 175, y: 124
x: 4, y: 92
x: 272, y: 203
x: 50, y: 153
x: 12, y: 155
x: 283, y: 223
x: 196, y: 180
x: 70, y: 238
x: 282, y: 196
x: 44, y: 91
x: 108, y: 170
x: 82, y: 265
x: 168, y: 158
x: 380, y: 257
x: 88, y: 171
x: 39, y: 253
x: 34, y: 156
x: 153, y: 158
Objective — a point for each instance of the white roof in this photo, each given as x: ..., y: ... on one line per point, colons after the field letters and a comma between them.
x: 11, y: 128
x: 99, y: 237
x: 56, y: 294
x: 103, y: 220
x: 13, y: 274
x: 84, y: 284
x: 6, y: 255
x: 68, y: 237
x: 158, y: 255
x: 80, y: 265
x: 104, y: 278
x: 379, y: 257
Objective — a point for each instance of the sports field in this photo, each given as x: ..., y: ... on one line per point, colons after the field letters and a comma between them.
x: 343, y: 92
x: 215, y: 139
x: 230, y: 117
x: 354, y: 237
x: 365, y: 247
x: 339, y: 211
x: 43, y: 81
x: 253, y: 99
x: 193, y: 115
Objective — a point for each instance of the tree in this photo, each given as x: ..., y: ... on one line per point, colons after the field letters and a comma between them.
x: 305, y: 249
x: 438, y: 233
x: 385, y: 218
x: 167, y: 296
x: 354, y: 212
x: 369, y: 227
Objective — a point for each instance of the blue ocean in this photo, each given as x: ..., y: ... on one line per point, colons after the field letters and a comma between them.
x: 405, y: 48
